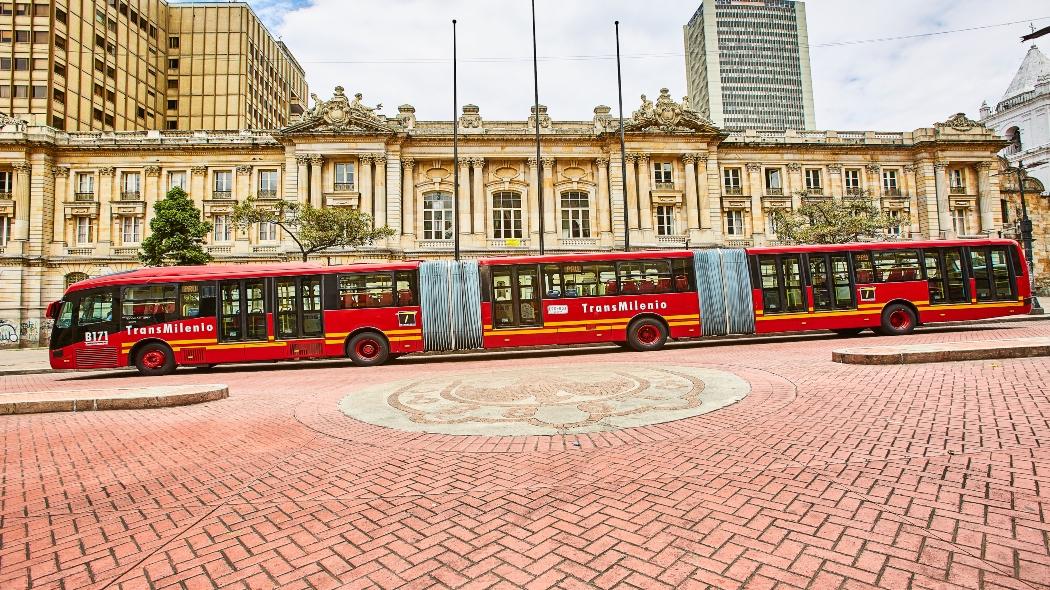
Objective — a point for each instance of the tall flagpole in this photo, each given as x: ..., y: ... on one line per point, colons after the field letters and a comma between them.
x: 536, y: 106
x: 455, y: 149
x: 623, y: 151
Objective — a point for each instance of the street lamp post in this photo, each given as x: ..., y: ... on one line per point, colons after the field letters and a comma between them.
x: 1026, y: 235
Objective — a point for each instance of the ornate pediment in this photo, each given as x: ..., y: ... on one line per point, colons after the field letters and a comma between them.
x: 959, y: 122
x: 667, y: 115
x: 340, y: 114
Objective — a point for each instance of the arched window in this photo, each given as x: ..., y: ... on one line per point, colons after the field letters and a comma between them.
x: 575, y: 214
x: 74, y: 277
x: 1013, y: 135
x: 506, y: 215
x: 437, y: 216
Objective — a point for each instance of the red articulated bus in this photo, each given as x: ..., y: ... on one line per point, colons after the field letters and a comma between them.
x: 158, y: 318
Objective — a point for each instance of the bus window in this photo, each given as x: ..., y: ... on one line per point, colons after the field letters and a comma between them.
x: 956, y: 278
x: 892, y: 266
x: 657, y: 276
x: 842, y: 292
x: 96, y: 308
x: 979, y: 266
x: 792, y: 281
x: 580, y: 280
x: 606, y: 278
x: 767, y: 272
x: 630, y: 275
x: 65, y: 315
x: 682, y: 269
x: 287, y: 317
x: 230, y: 327
x: 503, y: 297
x: 373, y: 289
x: 144, y: 305
x: 862, y: 268
x: 821, y: 281
x: 528, y: 296
x: 934, y: 276
x: 552, y: 287
x: 255, y: 309
x: 1002, y: 284
x: 407, y: 287
x: 197, y: 300
x: 311, y: 307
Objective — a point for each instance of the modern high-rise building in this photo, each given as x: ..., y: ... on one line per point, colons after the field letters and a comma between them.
x: 91, y: 65
x: 747, y: 64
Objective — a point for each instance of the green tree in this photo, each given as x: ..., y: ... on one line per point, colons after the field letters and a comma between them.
x: 313, y: 229
x: 176, y: 233
x: 835, y: 221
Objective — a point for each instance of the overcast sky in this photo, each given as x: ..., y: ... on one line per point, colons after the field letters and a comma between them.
x: 399, y: 51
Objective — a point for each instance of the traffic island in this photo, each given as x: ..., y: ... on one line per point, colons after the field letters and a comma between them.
x: 88, y: 400
x: 944, y: 352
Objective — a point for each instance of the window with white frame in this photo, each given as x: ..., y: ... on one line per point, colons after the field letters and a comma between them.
x: 731, y: 181
x: 665, y: 221
x: 575, y: 214
x: 177, y: 178
x: 889, y: 183
x: 130, y: 185
x: 895, y: 228
x: 772, y: 224
x: 131, y: 230
x: 437, y: 216
x: 5, y: 182
x: 84, y: 230
x: 851, y: 176
x: 956, y: 180
x: 773, y: 181
x: 662, y: 176
x: 813, y: 180
x: 506, y: 215
x: 5, y: 230
x: 85, y: 183
x: 344, y: 176
x: 222, y: 230
x: 959, y: 221
x: 223, y: 182
x: 268, y: 183
x: 735, y: 222
x: 267, y: 231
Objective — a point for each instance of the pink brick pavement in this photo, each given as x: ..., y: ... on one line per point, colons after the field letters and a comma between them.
x: 825, y: 476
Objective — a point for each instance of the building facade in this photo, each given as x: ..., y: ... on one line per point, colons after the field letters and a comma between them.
x: 79, y: 204
x: 86, y: 65
x: 747, y: 64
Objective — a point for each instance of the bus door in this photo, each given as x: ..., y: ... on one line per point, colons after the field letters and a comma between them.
x: 946, y: 276
x: 299, y: 315
x: 994, y: 276
x: 242, y: 320
x: 95, y: 324
x: 516, y: 297
x: 832, y: 287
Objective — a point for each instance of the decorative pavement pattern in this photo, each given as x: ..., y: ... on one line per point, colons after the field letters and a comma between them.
x: 823, y: 476
x: 563, y: 400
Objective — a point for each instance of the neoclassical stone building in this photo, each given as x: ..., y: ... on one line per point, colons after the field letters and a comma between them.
x: 76, y: 204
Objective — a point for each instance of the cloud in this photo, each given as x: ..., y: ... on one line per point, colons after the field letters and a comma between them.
x: 399, y: 51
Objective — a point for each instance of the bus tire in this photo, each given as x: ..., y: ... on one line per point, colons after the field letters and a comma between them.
x: 848, y: 331
x: 368, y: 349
x: 646, y: 334
x: 897, y: 320
x: 155, y: 359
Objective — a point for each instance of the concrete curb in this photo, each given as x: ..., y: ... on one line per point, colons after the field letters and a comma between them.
x: 112, y: 399
x: 951, y: 352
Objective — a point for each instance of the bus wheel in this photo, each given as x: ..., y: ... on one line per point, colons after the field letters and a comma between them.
x: 155, y: 359
x: 646, y: 334
x: 368, y: 349
x: 848, y: 331
x: 897, y: 320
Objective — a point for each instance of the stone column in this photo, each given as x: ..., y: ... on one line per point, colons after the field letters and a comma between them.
x: 616, y: 193
x: 62, y: 182
x: 632, y: 192
x: 794, y: 184
x: 408, y: 198
x: 692, y: 203
x: 463, y: 198
x: 480, y: 209
x: 910, y: 192
x: 21, y: 190
x: 150, y: 195
x: 379, y: 206
x: 835, y: 186
x: 106, y: 178
x: 645, y: 204
x: 365, y: 165
x: 549, y: 225
x: 316, y: 185
x: 302, y: 183
x: 534, y: 200
x: 603, y: 204
x: 198, y: 174
x: 242, y: 188
x: 393, y: 195
x: 944, y: 215
x: 758, y: 218
x: 874, y: 180
x: 984, y: 196
x: 713, y: 189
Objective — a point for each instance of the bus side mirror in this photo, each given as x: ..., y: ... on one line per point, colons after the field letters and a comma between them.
x: 52, y: 310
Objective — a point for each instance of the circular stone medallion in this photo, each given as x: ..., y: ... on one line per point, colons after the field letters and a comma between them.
x: 545, y: 401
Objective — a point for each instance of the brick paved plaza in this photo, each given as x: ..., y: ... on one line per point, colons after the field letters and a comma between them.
x: 823, y: 476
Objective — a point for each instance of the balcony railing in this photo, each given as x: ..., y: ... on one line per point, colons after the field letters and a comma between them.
x: 83, y: 196
x: 267, y: 194
x: 815, y: 191
x: 775, y: 191
x: 222, y: 195
x: 957, y: 190
x: 344, y: 186
x: 891, y: 191
x: 732, y: 190
x: 5, y: 195
x: 130, y: 195
x: 734, y: 243
x: 854, y: 191
x: 663, y: 186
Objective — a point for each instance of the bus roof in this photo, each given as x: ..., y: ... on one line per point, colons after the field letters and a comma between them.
x: 597, y: 257
x: 211, y: 272
x: 902, y: 245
